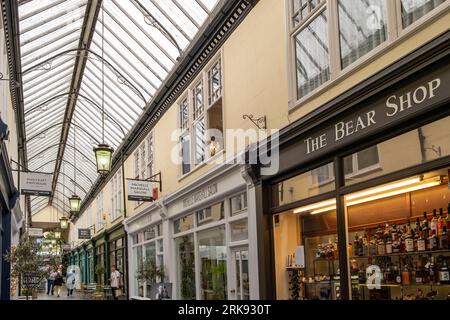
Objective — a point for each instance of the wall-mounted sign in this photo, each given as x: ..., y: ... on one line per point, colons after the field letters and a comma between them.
x: 200, y: 195
x: 84, y: 234
x: 36, y: 184
x: 140, y: 190
x: 35, y: 232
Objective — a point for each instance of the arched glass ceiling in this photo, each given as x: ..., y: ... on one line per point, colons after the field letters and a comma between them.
x: 141, y: 43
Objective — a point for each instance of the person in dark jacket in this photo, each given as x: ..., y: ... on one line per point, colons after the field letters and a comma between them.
x: 59, y: 281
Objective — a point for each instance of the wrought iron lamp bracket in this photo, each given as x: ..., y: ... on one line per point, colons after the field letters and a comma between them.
x: 260, y: 122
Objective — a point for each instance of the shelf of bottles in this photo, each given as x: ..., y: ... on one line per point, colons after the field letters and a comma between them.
x: 406, y: 261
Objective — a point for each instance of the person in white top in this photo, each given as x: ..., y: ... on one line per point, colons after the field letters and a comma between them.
x: 115, y: 281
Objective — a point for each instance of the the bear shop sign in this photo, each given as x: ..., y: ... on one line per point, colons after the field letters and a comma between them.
x: 398, y: 105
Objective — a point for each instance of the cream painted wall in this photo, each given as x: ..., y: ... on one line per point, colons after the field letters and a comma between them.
x: 255, y: 82
x: 48, y: 214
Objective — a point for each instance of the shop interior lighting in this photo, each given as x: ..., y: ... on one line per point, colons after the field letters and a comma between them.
x: 314, y: 206
x: 377, y: 193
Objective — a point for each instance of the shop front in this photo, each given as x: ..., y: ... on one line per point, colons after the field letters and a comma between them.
x: 117, y: 254
x: 209, y: 224
x: 360, y: 208
x: 199, y: 236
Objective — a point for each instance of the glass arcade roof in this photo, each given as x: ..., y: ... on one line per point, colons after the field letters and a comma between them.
x: 134, y: 46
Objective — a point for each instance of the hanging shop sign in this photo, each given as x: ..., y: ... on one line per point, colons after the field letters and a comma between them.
x: 36, y: 184
x: 84, y: 234
x: 141, y: 190
x: 419, y: 96
x: 200, y: 195
x: 35, y: 232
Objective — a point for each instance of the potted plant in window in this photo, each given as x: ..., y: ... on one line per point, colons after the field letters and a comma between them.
x: 149, y: 273
x: 100, y: 271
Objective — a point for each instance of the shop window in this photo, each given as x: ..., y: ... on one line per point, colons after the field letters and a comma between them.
x: 427, y: 143
x: 413, y: 10
x: 362, y: 162
x: 185, y: 253
x: 239, y: 230
x: 213, y: 262
x: 398, y: 239
x: 138, y: 261
x: 184, y: 224
x: 211, y: 214
x: 305, y: 245
x: 311, y: 183
x: 238, y: 204
x: 322, y: 175
x: 362, y: 28
x: 312, y: 55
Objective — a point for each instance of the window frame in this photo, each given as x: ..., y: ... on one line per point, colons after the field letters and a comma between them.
x: 395, y: 34
x: 193, y: 118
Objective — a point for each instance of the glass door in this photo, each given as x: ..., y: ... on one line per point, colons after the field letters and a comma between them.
x: 239, y: 277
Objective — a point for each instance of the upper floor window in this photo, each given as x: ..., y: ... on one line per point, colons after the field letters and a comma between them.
x: 328, y: 36
x: 100, y: 222
x: 116, y: 196
x: 215, y: 82
x: 362, y: 28
x: 302, y: 8
x: 201, y: 123
x: 143, y: 159
x: 312, y: 55
x: 413, y: 10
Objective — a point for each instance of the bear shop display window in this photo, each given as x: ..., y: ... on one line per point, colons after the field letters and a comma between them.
x: 398, y: 230
x: 305, y: 238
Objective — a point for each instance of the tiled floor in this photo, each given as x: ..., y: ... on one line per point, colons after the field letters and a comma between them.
x: 63, y: 296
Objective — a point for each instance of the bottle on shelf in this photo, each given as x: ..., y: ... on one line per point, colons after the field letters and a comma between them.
x: 409, y: 242
x: 365, y: 245
x: 389, y: 245
x: 398, y: 276
x: 418, y: 273
x: 381, y: 247
x: 434, y: 221
x: 440, y: 222
x: 421, y: 243
x: 361, y: 247
x: 355, y: 246
x: 431, y: 271
x: 425, y: 227
x: 443, y: 239
x: 444, y: 275
x: 372, y: 247
x: 433, y: 241
x: 406, y: 276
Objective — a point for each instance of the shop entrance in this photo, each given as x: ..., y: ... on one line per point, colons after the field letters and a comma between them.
x: 239, y: 277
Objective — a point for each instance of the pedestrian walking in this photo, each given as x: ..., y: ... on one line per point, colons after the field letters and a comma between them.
x: 115, y: 282
x: 50, y: 281
x: 59, y: 281
x: 70, y: 282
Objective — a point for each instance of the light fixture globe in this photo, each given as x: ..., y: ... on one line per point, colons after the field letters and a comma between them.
x: 74, y: 202
x: 103, y: 157
x: 64, y: 223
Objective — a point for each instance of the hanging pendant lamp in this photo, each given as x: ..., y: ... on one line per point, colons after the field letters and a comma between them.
x: 103, y: 152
